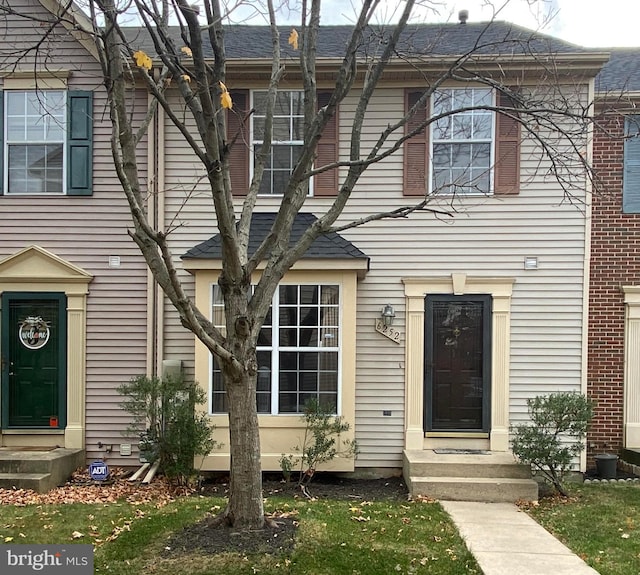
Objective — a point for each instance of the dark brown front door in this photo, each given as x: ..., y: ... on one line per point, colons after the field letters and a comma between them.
x: 457, y: 363
x: 34, y: 338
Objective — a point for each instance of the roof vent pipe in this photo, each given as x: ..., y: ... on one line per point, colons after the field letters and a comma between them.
x: 463, y: 16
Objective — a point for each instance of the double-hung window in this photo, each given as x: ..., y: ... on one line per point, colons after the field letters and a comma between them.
x: 287, y: 139
x: 462, y: 141
x: 46, y: 142
x: 35, y: 137
x: 298, y: 351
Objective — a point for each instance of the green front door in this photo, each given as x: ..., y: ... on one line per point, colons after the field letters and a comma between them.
x: 34, y: 336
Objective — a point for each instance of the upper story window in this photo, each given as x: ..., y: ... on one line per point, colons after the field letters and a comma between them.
x: 46, y: 140
x: 298, y: 350
x: 287, y: 140
x: 631, y: 175
x: 35, y: 138
x: 462, y: 142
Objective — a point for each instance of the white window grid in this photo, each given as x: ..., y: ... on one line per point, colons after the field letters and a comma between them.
x: 40, y: 115
x: 295, y: 120
x: 217, y: 307
x: 470, y: 97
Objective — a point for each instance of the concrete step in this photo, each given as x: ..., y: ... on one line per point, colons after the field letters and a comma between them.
x: 40, y: 482
x: 432, y: 464
x: 39, y: 470
x: 31, y: 462
x: 474, y: 488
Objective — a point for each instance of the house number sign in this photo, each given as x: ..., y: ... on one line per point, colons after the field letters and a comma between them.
x: 387, y: 331
x: 33, y: 332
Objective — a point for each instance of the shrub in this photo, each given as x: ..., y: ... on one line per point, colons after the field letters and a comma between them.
x: 555, y: 436
x: 167, y: 424
x: 321, y: 442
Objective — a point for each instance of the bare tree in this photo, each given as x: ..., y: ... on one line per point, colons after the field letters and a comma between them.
x: 187, y: 56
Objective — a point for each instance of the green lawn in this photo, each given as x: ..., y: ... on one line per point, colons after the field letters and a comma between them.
x: 601, y: 523
x: 334, y: 537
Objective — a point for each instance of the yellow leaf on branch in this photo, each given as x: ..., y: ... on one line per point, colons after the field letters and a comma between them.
x: 142, y: 60
x: 293, y: 39
x: 186, y: 77
x: 186, y: 51
x: 225, y: 97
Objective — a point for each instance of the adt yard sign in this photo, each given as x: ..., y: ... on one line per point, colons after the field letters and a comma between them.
x: 98, y: 470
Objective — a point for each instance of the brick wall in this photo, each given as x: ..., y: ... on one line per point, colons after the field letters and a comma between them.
x: 615, y: 261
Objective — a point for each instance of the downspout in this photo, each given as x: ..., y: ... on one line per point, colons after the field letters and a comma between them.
x: 159, y: 169
x: 155, y: 179
x: 587, y: 263
x: 152, y: 211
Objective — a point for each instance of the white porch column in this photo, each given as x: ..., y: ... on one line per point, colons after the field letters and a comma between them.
x: 414, y: 362
x: 76, y: 370
x: 632, y: 367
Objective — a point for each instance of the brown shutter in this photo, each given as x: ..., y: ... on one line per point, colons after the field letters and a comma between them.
x: 326, y: 183
x: 239, y: 154
x: 507, y: 161
x: 416, y: 149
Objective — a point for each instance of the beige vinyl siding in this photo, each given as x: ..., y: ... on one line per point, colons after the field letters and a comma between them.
x: 189, y: 207
x: 85, y: 231
x: 489, y: 236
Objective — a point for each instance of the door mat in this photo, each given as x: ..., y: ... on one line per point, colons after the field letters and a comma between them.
x: 28, y: 448
x: 448, y: 451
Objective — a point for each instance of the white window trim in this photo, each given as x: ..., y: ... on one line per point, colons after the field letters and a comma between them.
x: 491, y: 142
x: 274, y: 349
x: 255, y: 142
x: 6, y: 143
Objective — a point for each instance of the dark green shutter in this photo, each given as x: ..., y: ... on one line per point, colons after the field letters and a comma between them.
x: 1, y: 142
x: 79, y: 143
x: 631, y: 177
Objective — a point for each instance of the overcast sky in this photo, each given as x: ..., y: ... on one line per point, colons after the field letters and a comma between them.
x: 594, y: 23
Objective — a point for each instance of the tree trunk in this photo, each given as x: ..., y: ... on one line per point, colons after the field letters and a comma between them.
x: 245, y: 508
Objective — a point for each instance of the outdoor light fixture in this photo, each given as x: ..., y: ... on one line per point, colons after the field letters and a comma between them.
x: 530, y: 263
x: 388, y: 314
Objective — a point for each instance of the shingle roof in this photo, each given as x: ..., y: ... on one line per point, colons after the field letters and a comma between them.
x: 499, y: 38
x: 621, y: 72
x: 328, y: 246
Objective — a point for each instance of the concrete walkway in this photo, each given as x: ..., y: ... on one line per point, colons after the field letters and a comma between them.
x: 506, y: 541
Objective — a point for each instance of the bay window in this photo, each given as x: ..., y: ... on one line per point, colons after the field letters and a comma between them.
x: 298, y: 351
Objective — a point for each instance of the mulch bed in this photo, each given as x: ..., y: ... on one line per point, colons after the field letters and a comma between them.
x: 202, y: 538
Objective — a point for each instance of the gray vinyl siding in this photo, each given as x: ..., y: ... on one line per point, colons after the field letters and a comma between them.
x: 85, y: 231
x: 489, y: 236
